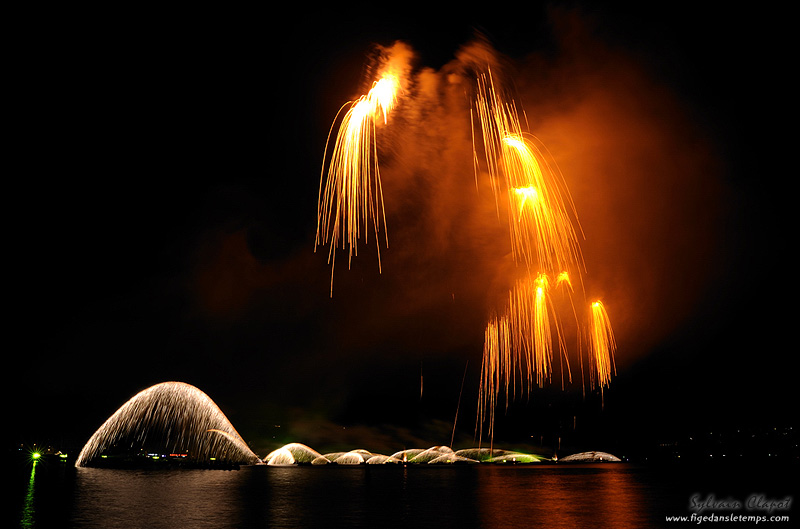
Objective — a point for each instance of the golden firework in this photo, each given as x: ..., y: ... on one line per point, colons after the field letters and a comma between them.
x: 544, y: 233
x: 352, y: 197
x: 602, y: 346
x: 520, y: 344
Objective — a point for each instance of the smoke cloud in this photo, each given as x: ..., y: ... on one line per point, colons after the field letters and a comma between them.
x: 643, y: 176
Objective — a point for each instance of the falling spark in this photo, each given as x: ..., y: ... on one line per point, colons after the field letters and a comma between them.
x: 490, y: 373
x: 541, y: 231
x: 542, y: 348
x: 520, y: 343
x: 602, y: 346
x: 497, y: 118
x: 544, y: 233
x: 352, y: 195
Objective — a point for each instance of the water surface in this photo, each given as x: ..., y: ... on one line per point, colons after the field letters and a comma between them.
x: 571, y: 496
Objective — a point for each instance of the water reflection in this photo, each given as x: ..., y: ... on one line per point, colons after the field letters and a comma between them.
x: 169, y: 498
x: 28, y: 510
x: 570, y: 497
x: 366, y: 496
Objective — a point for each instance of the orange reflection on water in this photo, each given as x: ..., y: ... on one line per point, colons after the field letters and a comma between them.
x: 554, y: 496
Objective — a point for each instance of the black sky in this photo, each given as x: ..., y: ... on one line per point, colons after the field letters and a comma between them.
x: 163, y: 209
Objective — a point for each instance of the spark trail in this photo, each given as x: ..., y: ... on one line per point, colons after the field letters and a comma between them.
x: 542, y: 234
x: 520, y: 343
x: 602, y: 346
x: 352, y: 196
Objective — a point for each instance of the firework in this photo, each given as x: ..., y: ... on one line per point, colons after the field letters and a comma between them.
x: 602, y: 345
x: 539, y: 206
x: 300, y: 454
x: 293, y: 453
x: 170, y: 416
x: 494, y: 345
x: 544, y: 233
x: 520, y: 344
x: 563, y: 279
x: 352, y: 197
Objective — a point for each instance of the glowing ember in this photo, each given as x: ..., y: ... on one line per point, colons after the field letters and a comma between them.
x: 563, y: 279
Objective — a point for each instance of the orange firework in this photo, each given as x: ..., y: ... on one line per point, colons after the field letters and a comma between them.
x: 519, y: 343
x: 541, y: 230
x: 352, y: 195
x: 497, y: 118
x: 602, y: 346
x: 544, y: 238
x: 493, y: 346
x: 542, y: 233
x: 563, y: 279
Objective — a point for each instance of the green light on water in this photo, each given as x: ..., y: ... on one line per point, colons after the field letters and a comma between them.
x: 27, y: 520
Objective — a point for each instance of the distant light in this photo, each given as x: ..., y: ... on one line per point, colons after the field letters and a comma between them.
x: 36, y: 455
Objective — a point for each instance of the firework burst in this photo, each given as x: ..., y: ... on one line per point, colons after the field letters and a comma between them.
x: 519, y: 345
x: 523, y: 339
x: 602, y: 346
x: 544, y: 240
x: 542, y: 233
x: 351, y: 197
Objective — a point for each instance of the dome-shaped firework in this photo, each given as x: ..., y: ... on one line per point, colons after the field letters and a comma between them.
x: 298, y: 454
x: 171, y: 417
x: 590, y: 457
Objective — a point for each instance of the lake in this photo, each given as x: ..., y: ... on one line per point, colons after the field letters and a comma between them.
x: 574, y: 496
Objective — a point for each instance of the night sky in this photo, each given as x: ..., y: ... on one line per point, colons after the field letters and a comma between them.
x: 163, y: 208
